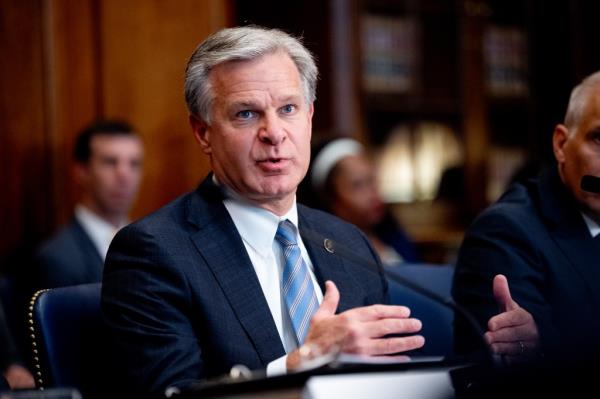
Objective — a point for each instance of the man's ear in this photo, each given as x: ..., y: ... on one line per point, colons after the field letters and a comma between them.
x: 201, y: 133
x: 559, y: 139
x: 311, y: 111
x: 80, y: 173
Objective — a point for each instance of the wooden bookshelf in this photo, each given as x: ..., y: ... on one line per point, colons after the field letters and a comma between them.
x: 496, y: 72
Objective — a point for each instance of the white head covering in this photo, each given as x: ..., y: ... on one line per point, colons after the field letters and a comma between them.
x: 329, y: 156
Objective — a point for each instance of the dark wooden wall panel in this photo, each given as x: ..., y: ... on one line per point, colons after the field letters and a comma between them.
x: 145, y: 47
x: 72, y: 83
x: 67, y: 62
x: 26, y: 205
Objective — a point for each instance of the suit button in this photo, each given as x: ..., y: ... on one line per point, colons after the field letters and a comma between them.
x: 328, y: 244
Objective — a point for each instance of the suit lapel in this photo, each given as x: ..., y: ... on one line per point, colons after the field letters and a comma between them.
x: 94, y: 264
x: 570, y: 232
x: 583, y: 254
x: 328, y: 265
x: 222, y: 248
x: 579, y: 247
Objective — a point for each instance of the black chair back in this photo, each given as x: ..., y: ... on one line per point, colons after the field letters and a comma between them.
x: 66, y: 329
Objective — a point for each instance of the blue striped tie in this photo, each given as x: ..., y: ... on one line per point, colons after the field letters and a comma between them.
x: 297, y: 286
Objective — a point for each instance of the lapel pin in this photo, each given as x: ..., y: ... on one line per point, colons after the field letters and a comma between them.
x: 328, y: 245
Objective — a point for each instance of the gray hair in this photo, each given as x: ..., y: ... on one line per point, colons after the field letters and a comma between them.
x: 579, y: 97
x: 236, y: 44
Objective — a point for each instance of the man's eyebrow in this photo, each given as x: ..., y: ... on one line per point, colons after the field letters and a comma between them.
x: 291, y: 97
x: 243, y: 103
x: 593, y: 130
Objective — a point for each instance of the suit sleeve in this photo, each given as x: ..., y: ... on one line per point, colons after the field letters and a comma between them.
x: 499, y: 243
x: 145, y: 305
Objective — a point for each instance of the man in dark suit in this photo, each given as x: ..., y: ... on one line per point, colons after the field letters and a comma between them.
x: 542, y: 239
x: 108, y: 169
x: 237, y: 272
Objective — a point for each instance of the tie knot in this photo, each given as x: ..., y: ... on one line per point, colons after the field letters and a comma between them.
x: 286, y: 233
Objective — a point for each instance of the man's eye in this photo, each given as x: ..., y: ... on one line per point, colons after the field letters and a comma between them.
x: 288, y: 108
x: 108, y: 161
x: 245, y: 114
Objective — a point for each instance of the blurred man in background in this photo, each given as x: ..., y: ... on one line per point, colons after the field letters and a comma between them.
x: 542, y: 238
x: 108, y: 169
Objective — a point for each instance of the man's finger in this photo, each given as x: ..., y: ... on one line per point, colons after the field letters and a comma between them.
x: 330, y: 302
x: 388, y: 346
x: 513, y: 318
x: 383, y: 327
x: 516, y: 348
x: 502, y: 294
x: 378, y: 312
x: 523, y: 332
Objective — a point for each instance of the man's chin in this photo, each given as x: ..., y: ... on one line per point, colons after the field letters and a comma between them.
x: 273, y: 193
x: 119, y: 208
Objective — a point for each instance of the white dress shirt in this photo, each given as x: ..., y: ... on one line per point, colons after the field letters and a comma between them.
x: 99, y: 230
x: 592, y: 225
x: 257, y: 227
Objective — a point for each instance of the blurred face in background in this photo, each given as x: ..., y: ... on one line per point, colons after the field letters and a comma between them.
x: 354, y: 193
x: 577, y: 151
x: 111, y: 178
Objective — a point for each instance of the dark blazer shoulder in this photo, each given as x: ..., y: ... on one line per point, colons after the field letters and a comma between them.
x: 67, y: 238
x: 68, y: 257
x: 518, y: 203
x: 186, y: 212
x: 326, y: 223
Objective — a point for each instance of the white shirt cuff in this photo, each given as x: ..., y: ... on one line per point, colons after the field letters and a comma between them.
x: 277, y: 367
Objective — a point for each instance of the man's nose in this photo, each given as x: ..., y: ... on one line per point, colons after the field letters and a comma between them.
x: 271, y: 130
x: 125, y: 171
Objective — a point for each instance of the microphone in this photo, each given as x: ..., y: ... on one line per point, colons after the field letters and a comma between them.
x: 591, y: 184
x: 373, y: 267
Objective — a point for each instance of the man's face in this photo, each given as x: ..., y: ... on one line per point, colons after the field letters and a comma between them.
x: 578, y: 154
x: 111, y: 177
x: 259, y: 136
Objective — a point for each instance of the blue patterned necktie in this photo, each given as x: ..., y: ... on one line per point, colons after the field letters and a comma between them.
x: 297, y: 286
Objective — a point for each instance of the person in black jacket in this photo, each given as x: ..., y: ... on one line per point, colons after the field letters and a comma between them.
x: 108, y: 169
x: 237, y: 272
x: 529, y: 266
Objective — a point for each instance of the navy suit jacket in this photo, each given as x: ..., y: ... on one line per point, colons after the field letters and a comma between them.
x: 536, y: 236
x: 182, y: 302
x: 68, y: 258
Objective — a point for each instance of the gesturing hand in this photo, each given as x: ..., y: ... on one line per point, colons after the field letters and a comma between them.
x: 512, y: 333
x: 359, y: 330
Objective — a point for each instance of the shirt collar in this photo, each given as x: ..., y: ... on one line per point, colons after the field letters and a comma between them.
x: 592, y: 225
x: 256, y: 226
x: 87, y: 217
x: 100, y: 231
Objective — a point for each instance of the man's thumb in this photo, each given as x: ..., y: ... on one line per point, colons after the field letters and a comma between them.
x: 502, y: 294
x: 330, y: 301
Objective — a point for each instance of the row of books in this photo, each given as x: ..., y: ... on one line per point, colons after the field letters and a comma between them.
x: 391, y: 56
x: 390, y: 53
x: 505, y: 56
